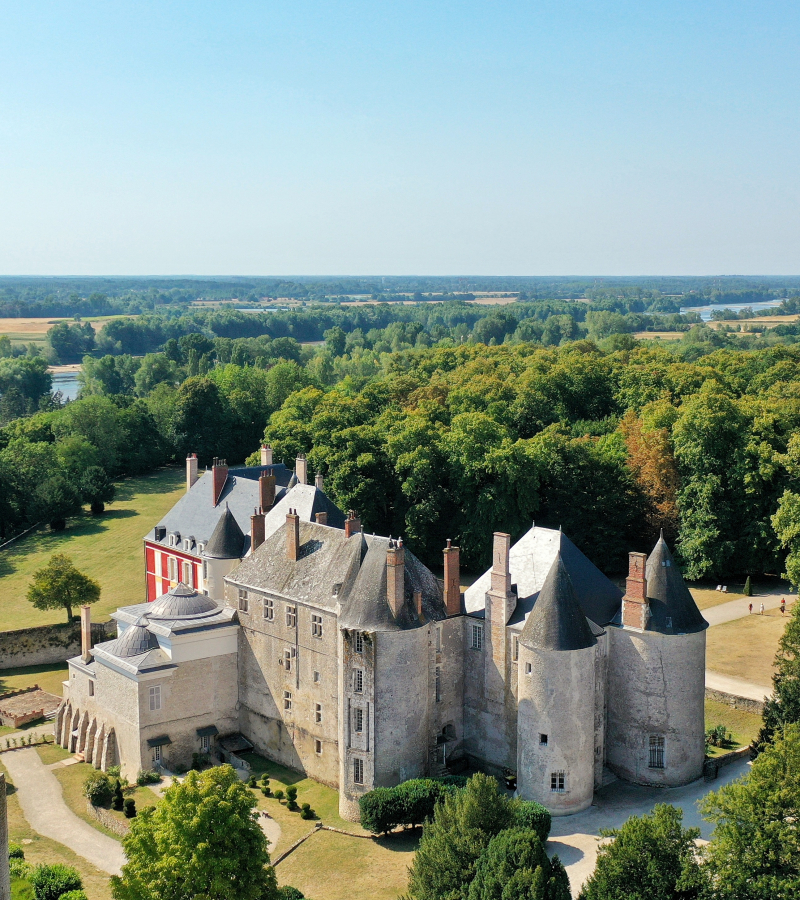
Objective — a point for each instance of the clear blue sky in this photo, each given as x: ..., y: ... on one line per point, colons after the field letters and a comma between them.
x: 396, y: 138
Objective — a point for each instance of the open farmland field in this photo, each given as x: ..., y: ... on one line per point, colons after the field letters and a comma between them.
x: 107, y: 547
x: 658, y: 335
x: 35, y: 329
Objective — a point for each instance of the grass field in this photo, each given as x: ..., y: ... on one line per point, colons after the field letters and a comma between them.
x: 108, y: 548
x: 745, y: 648
x: 743, y: 725
x: 48, y: 678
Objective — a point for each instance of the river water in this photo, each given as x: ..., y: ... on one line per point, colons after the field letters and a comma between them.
x: 67, y: 383
x: 705, y: 311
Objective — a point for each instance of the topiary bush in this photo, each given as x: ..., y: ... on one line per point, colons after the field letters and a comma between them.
x: 306, y: 812
x: 129, y: 808
x: 118, y: 799
x: 252, y: 781
x: 278, y: 795
x: 97, y: 789
x: 532, y: 815
x: 15, y: 851
x: 50, y: 882
x: 748, y: 588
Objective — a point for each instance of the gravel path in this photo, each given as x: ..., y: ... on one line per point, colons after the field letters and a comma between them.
x: 739, y: 608
x: 43, y: 806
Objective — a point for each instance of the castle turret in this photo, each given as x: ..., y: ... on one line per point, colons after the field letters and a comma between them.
x: 656, y: 679
x: 555, y: 718
x: 223, y: 551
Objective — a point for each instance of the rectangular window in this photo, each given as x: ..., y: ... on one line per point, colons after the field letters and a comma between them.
x: 358, y: 720
x: 358, y: 642
x: 243, y: 601
x: 188, y: 574
x: 316, y: 626
x: 156, y: 755
x: 172, y: 565
x: 656, y: 751
x: 543, y: 740
x: 358, y: 771
x: 528, y: 668
x: 287, y: 699
x: 438, y: 684
x: 318, y: 748
x: 269, y: 609
x: 317, y: 678
x: 205, y: 570
x: 515, y: 647
x: 318, y: 713
x: 289, y: 654
x: 477, y: 637
x: 155, y: 698
x: 91, y: 688
x: 291, y: 616
x: 557, y: 782
x: 358, y: 681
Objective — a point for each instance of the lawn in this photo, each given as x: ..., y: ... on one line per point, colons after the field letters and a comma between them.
x: 48, y: 678
x: 743, y: 725
x: 108, y: 548
x: 745, y: 648
x: 40, y: 850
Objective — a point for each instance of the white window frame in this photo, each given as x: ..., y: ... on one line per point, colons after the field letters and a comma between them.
x: 205, y: 743
x: 477, y: 636
x: 155, y: 697
x: 269, y: 609
x: 287, y: 700
x: 188, y: 573
x: 172, y: 568
x: 316, y: 625
x: 157, y: 755
x: 289, y: 653
x: 358, y: 770
x: 358, y: 681
x: 291, y: 616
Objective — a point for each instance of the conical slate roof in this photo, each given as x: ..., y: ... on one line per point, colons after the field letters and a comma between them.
x: 182, y: 602
x: 227, y: 540
x: 134, y: 641
x: 292, y: 481
x: 672, y: 607
x: 557, y: 621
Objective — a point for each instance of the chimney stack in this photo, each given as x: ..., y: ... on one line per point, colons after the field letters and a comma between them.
x: 319, y: 482
x: 322, y: 518
x: 257, y: 530
x: 292, y: 535
x: 635, y: 606
x: 452, y: 580
x: 395, y: 576
x: 86, y: 633
x: 266, y: 492
x: 301, y: 469
x: 352, y: 524
x: 418, y: 603
x: 191, y: 471
x: 266, y: 455
x: 219, y: 473
x: 501, y: 573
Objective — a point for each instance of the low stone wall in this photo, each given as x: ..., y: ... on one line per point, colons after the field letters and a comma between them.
x: 104, y: 817
x: 753, y: 706
x: 711, y: 767
x: 48, y: 644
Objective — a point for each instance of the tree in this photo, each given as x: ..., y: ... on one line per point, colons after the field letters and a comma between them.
x: 754, y: 853
x: 783, y: 707
x: 514, y: 866
x: 203, y: 839
x: 59, y: 585
x: 651, y: 857
x: 52, y: 882
x: 786, y: 523
x: 96, y: 488
x: 335, y: 340
x: 56, y: 499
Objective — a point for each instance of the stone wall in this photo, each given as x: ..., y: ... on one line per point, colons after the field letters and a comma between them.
x: 746, y: 703
x: 48, y: 644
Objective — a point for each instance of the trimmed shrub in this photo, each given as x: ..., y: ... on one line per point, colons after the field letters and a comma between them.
x: 291, y: 798
x: 409, y: 803
x: 748, y: 588
x: 306, y: 812
x: 15, y: 851
x: 532, y: 815
x: 147, y: 776
x: 252, y: 781
x: 50, y: 882
x: 266, y: 790
x: 129, y: 808
x: 278, y: 795
x: 97, y: 789
x: 118, y: 799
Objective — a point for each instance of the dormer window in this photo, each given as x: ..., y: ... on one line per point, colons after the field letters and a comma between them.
x: 187, y: 544
x: 201, y: 547
x: 172, y: 540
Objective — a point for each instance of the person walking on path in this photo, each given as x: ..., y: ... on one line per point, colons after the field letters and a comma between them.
x: 750, y: 607
x: 762, y: 609
x: 783, y: 605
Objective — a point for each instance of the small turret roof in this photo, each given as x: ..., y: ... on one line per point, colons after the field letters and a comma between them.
x: 557, y: 621
x: 134, y: 641
x: 672, y: 607
x: 227, y: 540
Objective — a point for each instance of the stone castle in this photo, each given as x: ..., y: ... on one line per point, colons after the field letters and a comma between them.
x: 339, y: 654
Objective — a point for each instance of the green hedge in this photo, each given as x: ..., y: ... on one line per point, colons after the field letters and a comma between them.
x: 532, y: 815
x: 409, y: 803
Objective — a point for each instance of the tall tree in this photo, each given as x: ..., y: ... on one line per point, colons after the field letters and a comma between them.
x: 59, y: 585
x: 783, y: 707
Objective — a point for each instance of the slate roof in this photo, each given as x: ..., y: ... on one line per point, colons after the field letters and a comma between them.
x: 531, y: 559
x: 195, y: 515
x: 672, y: 607
x: 340, y: 574
x: 557, y: 621
x: 227, y: 540
x: 181, y: 602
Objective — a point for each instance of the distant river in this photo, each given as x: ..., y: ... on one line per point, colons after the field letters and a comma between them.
x: 67, y: 383
x: 705, y: 311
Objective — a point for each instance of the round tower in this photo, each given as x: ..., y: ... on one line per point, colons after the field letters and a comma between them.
x: 656, y: 677
x: 222, y: 553
x: 556, y: 700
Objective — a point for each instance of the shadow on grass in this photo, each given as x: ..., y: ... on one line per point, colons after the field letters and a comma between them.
x: 401, y: 841
x: 259, y: 764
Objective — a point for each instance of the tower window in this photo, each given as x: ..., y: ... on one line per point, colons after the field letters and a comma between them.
x: 91, y: 688
x: 438, y: 639
x: 477, y: 637
x: 656, y: 751
x: 318, y: 713
x: 358, y: 720
x: 528, y: 668
x: 515, y: 648
x: 318, y: 747
x: 557, y: 782
x: 358, y: 642
x: 317, y: 678
x: 358, y: 681
x: 358, y: 771
x: 542, y: 740
x: 438, y: 684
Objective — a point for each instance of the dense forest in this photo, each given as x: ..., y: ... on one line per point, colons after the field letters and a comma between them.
x: 450, y: 424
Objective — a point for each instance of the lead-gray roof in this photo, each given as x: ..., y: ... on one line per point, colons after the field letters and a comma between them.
x: 134, y: 641
x: 557, y: 621
x: 672, y: 607
x: 337, y: 573
x: 530, y: 560
x: 227, y: 539
x: 180, y: 602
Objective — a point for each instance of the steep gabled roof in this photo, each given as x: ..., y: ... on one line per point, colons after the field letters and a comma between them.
x: 227, y: 541
x: 557, y: 621
x: 672, y: 607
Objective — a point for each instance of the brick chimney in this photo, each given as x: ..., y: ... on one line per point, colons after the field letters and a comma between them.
x: 352, y: 524
x: 395, y: 576
x: 292, y: 535
x: 257, y: 530
x: 219, y: 475
x: 266, y: 492
x: 266, y: 455
x: 635, y: 606
x: 301, y: 469
x: 322, y: 518
x: 452, y: 580
x: 418, y: 603
x: 86, y: 633
x: 191, y: 470
x: 319, y: 482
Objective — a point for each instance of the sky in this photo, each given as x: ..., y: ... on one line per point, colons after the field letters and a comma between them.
x: 367, y: 138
